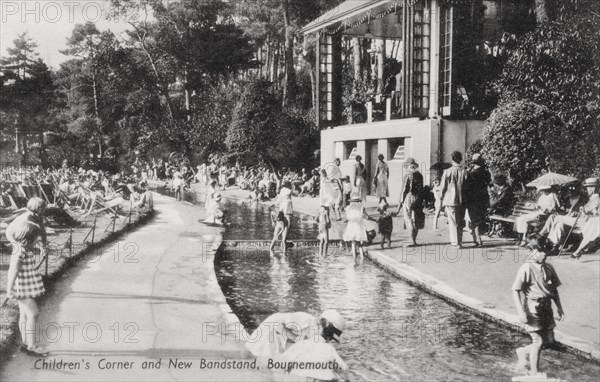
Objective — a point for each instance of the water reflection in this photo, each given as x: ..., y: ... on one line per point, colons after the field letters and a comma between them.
x: 393, y: 331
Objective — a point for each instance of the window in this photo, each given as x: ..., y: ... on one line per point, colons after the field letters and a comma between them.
x: 396, y: 147
x: 422, y: 52
x: 326, y: 78
x: 446, y: 60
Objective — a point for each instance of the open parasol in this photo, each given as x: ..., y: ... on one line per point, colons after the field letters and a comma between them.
x: 552, y: 179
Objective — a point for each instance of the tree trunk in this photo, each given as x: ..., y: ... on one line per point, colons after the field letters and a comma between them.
x: 289, y: 87
x: 541, y: 11
x: 96, y: 111
x: 42, y: 150
x: 162, y: 88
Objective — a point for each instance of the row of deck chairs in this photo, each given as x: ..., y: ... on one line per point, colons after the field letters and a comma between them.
x: 84, y: 202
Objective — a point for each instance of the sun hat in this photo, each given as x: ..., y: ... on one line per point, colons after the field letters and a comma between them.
x: 591, y: 182
x: 410, y: 161
x: 334, y: 317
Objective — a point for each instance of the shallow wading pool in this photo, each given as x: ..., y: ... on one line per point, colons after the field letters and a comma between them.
x: 393, y: 331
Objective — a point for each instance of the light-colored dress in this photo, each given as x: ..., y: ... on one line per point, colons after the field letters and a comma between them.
x: 547, y: 204
x: 360, y: 181
x: 355, y: 230
x: 382, y: 180
x: 285, y: 201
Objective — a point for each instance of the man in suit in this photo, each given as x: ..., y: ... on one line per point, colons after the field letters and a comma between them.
x: 452, y: 198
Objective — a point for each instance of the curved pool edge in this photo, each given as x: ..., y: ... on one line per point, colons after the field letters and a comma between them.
x: 230, y: 319
x: 447, y: 293
x: 440, y: 289
x: 575, y: 345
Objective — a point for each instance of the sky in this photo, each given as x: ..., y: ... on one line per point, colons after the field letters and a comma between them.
x: 50, y: 23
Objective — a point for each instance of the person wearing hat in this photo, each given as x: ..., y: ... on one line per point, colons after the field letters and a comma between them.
x: 214, y: 215
x: 557, y: 228
x: 501, y: 196
x: 411, y: 200
x: 300, y: 337
x: 591, y: 228
x: 476, y: 196
x: 452, y: 198
x: 356, y: 231
x: 547, y: 204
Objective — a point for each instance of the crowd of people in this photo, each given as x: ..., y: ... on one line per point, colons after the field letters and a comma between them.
x: 31, y: 196
x: 462, y: 194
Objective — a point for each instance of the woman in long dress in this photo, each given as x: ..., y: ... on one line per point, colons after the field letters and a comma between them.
x: 24, y: 283
x: 380, y: 180
x: 360, y: 179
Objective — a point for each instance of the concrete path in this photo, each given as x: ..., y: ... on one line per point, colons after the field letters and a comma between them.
x: 480, y: 279
x: 146, y: 308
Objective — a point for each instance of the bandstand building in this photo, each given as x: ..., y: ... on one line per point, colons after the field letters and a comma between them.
x: 394, y: 77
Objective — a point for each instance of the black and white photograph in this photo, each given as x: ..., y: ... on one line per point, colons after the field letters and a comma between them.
x: 300, y: 190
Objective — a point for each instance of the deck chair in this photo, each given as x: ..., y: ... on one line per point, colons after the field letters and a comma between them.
x: 101, y: 205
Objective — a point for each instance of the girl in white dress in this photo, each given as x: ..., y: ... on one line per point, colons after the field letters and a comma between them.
x: 356, y: 231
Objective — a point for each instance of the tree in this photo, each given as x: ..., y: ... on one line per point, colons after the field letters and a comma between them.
x: 27, y: 95
x: 83, y: 43
x: 263, y: 132
x: 556, y: 67
x: 254, y: 125
x: 522, y: 139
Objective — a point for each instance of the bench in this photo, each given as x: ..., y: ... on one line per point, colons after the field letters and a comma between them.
x: 519, y: 209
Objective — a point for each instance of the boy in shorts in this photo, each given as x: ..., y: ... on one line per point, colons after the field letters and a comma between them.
x: 533, y: 291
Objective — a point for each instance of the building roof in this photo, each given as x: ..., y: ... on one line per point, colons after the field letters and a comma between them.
x: 348, y: 9
x: 351, y: 11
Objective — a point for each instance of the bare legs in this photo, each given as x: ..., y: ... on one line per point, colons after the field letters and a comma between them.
x: 534, y: 350
x: 361, y: 252
x: 28, y: 313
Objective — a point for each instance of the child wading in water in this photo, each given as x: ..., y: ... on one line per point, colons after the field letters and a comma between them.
x: 356, y: 232
x: 324, y: 225
x: 385, y: 225
x: 533, y: 292
x: 281, y: 229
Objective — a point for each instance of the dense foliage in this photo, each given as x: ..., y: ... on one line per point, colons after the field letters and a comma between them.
x: 520, y: 139
x: 554, y: 73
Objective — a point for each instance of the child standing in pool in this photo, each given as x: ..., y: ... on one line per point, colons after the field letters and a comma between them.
x: 356, y: 232
x: 534, y: 289
x: 281, y: 229
x: 324, y: 225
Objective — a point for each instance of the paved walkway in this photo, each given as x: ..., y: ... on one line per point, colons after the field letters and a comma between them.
x: 151, y: 296
x: 481, y: 279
